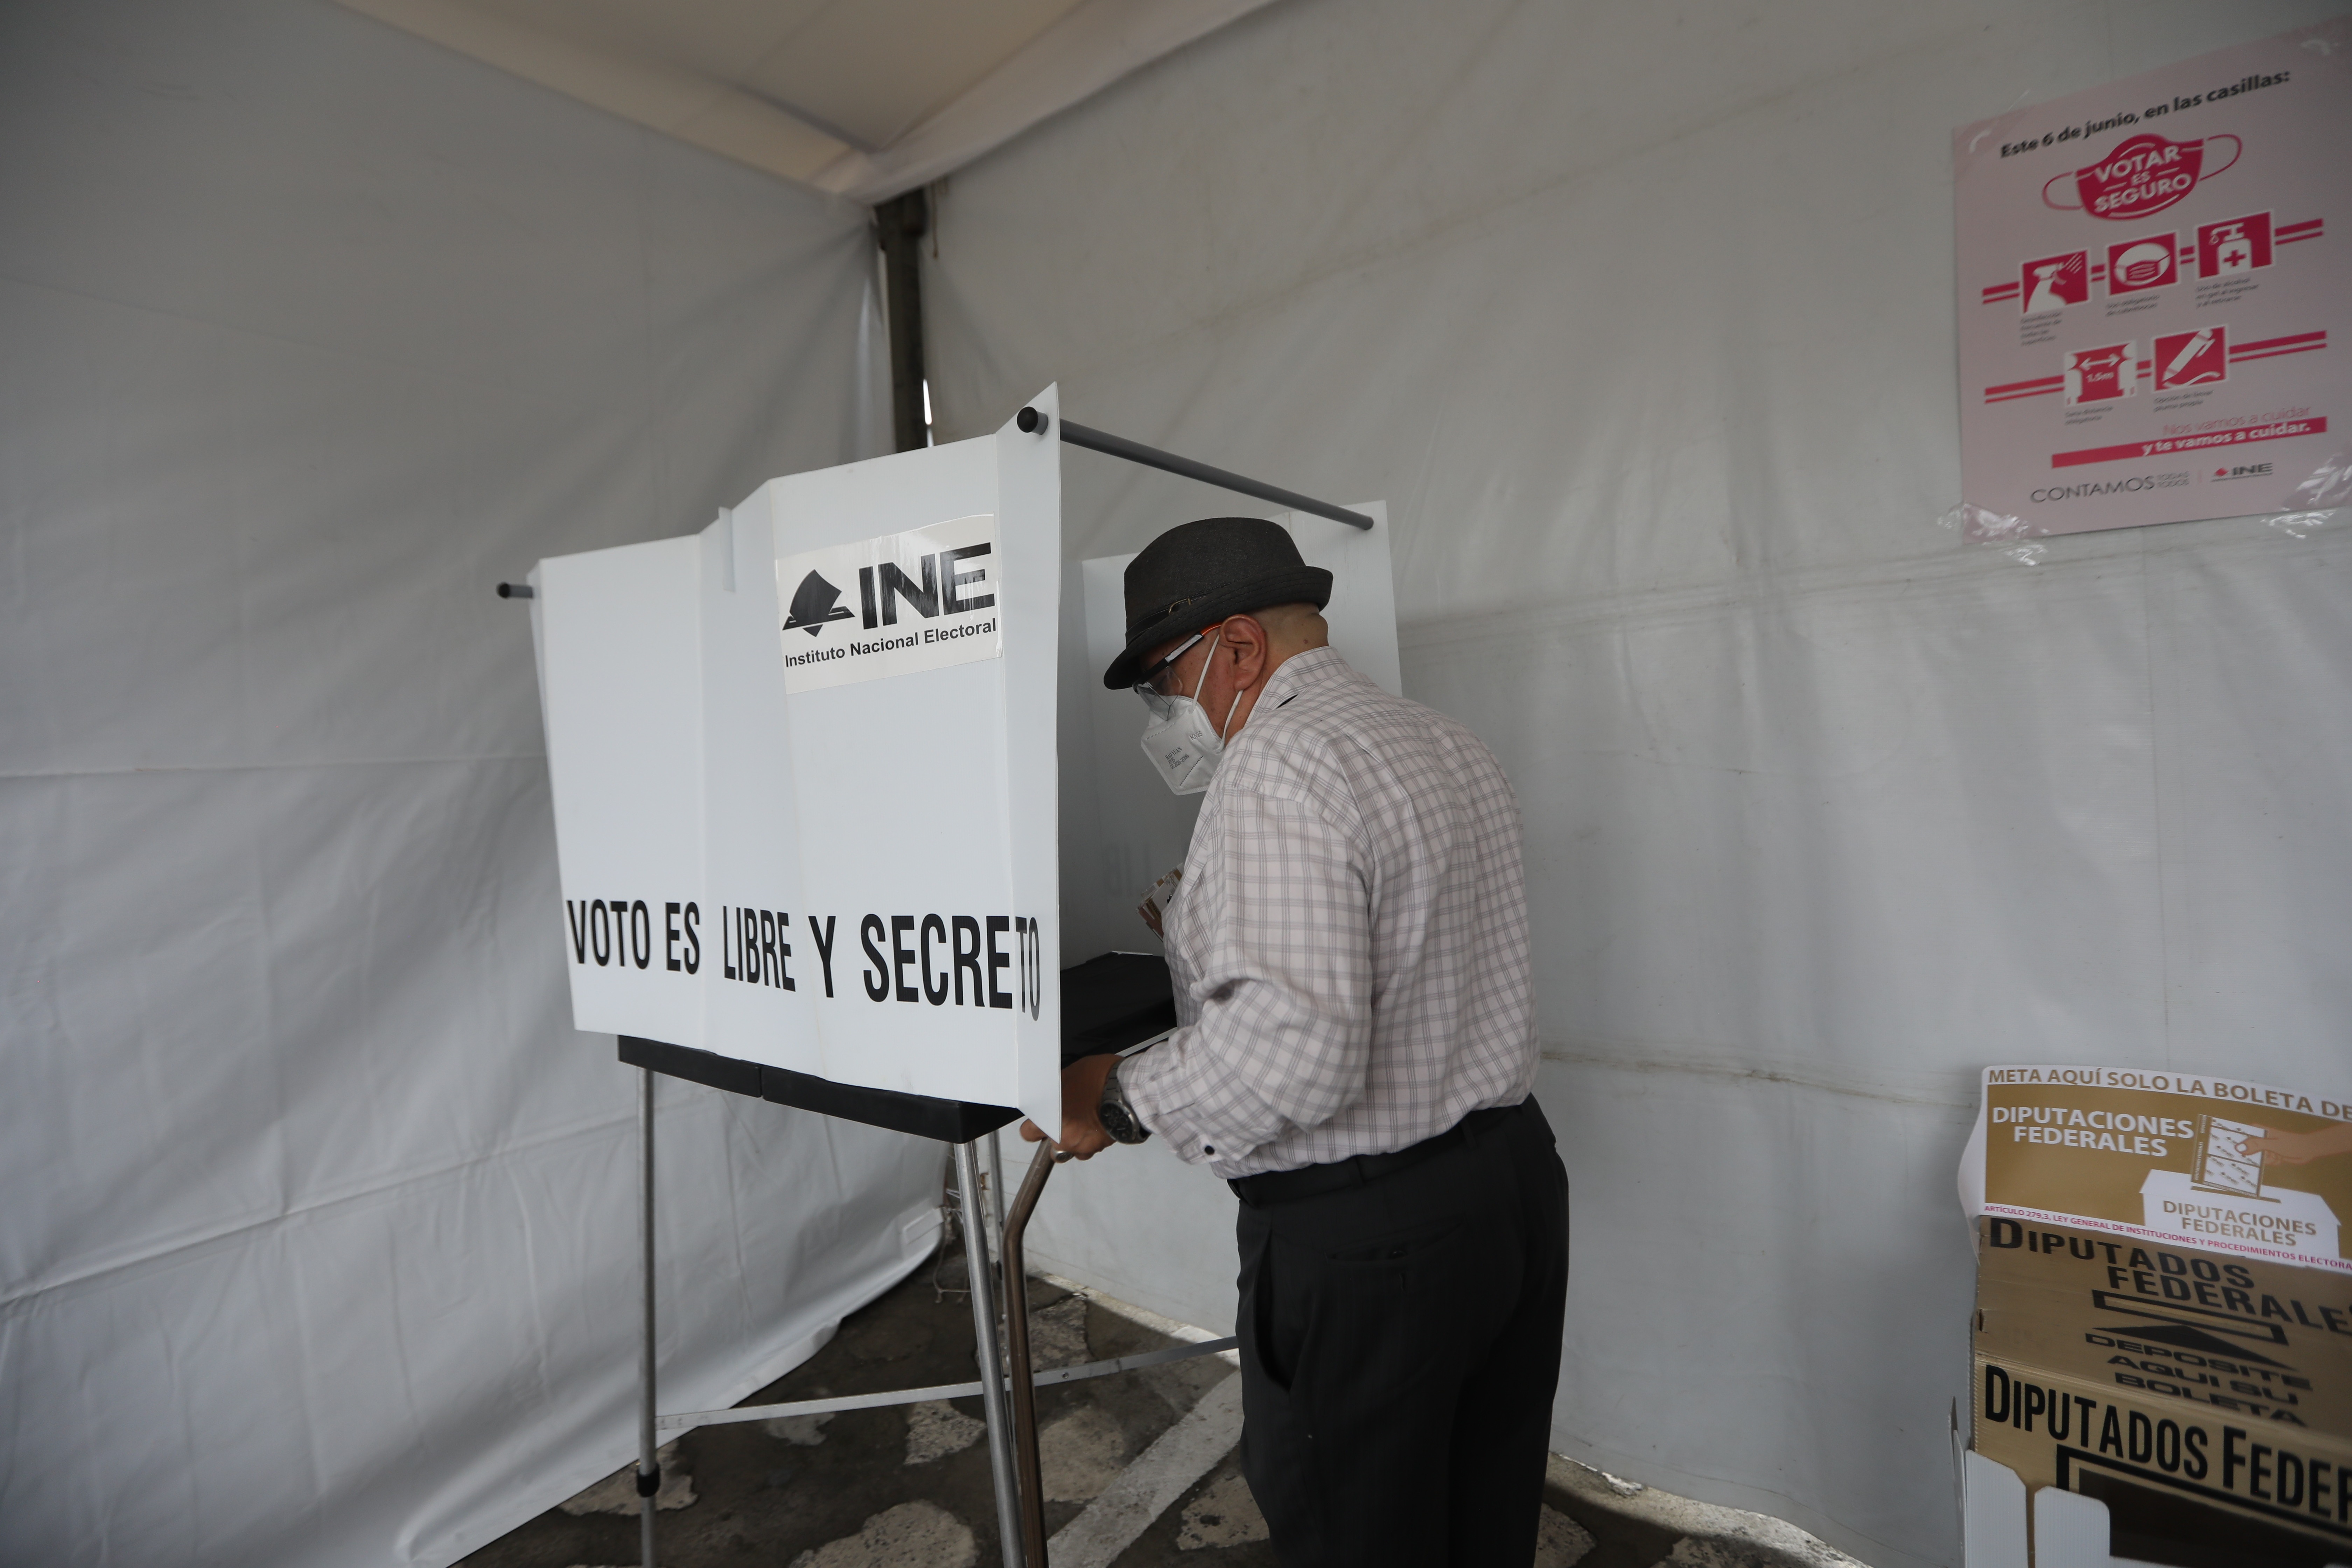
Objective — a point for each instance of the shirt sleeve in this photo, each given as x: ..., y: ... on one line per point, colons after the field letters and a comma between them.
x: 1281, y: 982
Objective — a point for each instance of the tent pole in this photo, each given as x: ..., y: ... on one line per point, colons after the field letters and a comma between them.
x: 984, y: 1346
x: 649, y: 1467
x: 900, y: 225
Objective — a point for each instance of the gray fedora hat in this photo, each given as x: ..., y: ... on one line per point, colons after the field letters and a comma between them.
x: 1198, y: 574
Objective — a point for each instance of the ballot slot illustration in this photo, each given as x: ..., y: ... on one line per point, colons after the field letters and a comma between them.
x: 2236, y: 245
x: 2222, y: 1162
x: 2054, y: 282
x: 2137, y: 264
x: 815, y: 602
x: 2198, y: 357
x: 2100, y: 374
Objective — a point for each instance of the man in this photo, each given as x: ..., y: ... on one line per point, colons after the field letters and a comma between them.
x: 1349, y: 944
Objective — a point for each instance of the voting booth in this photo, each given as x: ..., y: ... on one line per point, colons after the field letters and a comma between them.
x: 808, y: 768
x: 803, y: 769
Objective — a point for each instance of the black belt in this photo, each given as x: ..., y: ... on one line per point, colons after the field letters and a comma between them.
x: 1361, y: 1170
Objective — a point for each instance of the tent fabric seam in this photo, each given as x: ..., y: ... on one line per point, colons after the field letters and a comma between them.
x: 1567, y: 1056
x: 199, y: 1242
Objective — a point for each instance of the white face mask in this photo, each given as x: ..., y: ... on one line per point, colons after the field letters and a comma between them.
x: 1180, y: 739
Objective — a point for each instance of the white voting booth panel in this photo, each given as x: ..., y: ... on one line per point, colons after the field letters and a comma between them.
x: 803, y: 775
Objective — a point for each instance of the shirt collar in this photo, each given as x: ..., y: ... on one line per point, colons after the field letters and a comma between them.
x: 1316, y: 667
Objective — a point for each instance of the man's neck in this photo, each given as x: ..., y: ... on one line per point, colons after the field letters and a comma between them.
x: 1277, y: 657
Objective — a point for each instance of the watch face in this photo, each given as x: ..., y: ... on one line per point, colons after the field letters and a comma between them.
x: 1116, y: 1118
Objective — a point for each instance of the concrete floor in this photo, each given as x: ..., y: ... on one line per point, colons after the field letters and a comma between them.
x: 908, y: 1486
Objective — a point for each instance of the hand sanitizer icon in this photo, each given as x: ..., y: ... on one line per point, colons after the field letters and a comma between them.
x: 2233, y: 246
x: 2233, y: 252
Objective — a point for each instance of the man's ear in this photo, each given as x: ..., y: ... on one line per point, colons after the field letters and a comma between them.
x: 1247, y: 636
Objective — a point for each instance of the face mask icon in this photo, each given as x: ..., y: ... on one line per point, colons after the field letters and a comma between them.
x: 2145, y: 265
x: 2142, y: 266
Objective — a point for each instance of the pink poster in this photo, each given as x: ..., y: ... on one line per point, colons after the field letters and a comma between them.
x: 2154, y: 295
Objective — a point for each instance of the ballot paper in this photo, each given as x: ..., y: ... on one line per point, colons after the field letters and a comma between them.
x: 2222, y: 1162
x: 1156, y: 901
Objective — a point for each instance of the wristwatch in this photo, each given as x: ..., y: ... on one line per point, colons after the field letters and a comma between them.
x: 1118, y: 1117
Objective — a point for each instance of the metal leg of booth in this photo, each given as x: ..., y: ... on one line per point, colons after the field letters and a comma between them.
x: 1022, y: 1377
x: 1011, y: 1443
x: 983, y: 1327
x: 996, y: 1194
x: 649, y: 1467
x: 991, y: 1388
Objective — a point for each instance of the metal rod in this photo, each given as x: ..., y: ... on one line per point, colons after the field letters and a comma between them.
x: 995, y: 1195
x: 1032, y: 420
x: 1016, y: 1335
x: 517, y: 591
x: 984, y: 1346
x: 1048, y: 1378
x: 649, y: 1467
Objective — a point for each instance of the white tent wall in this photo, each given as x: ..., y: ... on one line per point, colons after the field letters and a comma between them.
x: 1639, y: 317
x: 321, y: 1230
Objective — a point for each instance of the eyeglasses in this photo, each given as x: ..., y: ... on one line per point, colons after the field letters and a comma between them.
x: 1148, y: 685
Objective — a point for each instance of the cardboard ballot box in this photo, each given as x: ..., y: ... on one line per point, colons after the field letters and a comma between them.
x: 2205, y: 1399
x: 2163, y: 1326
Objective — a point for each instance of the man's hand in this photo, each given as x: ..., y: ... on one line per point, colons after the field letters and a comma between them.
x: 1082, y: 1129
x: 2279, y: 1147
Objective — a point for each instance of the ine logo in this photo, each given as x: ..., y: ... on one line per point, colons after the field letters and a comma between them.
x: 918, y: 600
x: 815, y: 602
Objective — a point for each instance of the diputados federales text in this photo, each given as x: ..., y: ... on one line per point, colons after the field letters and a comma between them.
x: 2256, y: 1466
x: 2225, y: 1382
x: 2185, y: 1278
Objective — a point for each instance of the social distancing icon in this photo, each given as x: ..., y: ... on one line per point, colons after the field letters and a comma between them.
x: 2100, y: 374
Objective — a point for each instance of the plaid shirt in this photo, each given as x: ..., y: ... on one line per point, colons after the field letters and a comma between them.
x: 1350, y: 941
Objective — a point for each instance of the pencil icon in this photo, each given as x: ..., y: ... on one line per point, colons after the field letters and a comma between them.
x: 2189, y: 352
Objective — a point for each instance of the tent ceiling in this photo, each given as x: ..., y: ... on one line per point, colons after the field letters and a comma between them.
x: 863, y: 98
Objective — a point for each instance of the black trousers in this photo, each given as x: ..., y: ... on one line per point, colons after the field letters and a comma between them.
x: 1400, y: 1344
